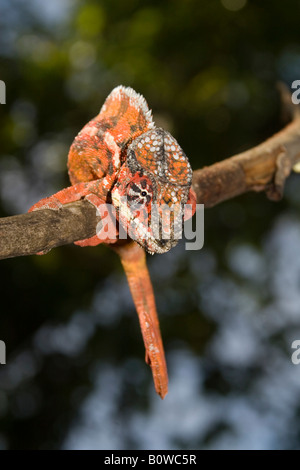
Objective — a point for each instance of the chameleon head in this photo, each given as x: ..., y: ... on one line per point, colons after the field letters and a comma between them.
x: 152, y: 188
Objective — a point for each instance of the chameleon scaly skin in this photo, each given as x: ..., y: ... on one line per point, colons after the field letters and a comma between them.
x: 119, y: 157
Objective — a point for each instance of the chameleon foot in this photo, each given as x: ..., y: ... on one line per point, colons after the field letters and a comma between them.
x: 107, y: 231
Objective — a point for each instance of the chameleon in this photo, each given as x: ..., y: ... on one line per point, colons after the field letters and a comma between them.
x: 120, y: 159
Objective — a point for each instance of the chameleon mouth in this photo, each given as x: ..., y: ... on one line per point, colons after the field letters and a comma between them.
x: 143, y: 236
x: 159, y: 246
x: 138, y: 230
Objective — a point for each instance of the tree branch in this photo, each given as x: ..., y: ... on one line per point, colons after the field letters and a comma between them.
x: 262, y: 168
x: 42, y: 230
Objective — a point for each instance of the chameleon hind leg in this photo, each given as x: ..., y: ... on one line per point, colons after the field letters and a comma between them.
x: 133, y: 259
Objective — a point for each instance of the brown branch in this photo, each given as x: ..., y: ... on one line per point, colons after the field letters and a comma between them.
x: 262, y: 168
x: 42, y: 230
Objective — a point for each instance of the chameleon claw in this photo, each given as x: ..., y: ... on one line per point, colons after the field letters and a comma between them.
x: 107, y: 231
x: 51, y: 203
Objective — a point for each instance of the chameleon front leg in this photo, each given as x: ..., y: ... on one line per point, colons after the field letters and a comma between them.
x: 99, y: 188
x: 95, y: 192
x: 133, y: 259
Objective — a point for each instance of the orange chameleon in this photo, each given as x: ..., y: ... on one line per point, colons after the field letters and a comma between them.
x: 120, y: 158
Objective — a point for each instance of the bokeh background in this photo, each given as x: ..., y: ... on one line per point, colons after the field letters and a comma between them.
x: 75, y: 376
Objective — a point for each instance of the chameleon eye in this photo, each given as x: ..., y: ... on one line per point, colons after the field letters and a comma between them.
x: 139, y: 191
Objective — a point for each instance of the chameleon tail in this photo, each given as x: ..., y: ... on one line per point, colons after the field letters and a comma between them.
x: 133, y: 259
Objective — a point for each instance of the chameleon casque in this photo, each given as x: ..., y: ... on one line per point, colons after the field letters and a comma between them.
x: 121, y: 158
